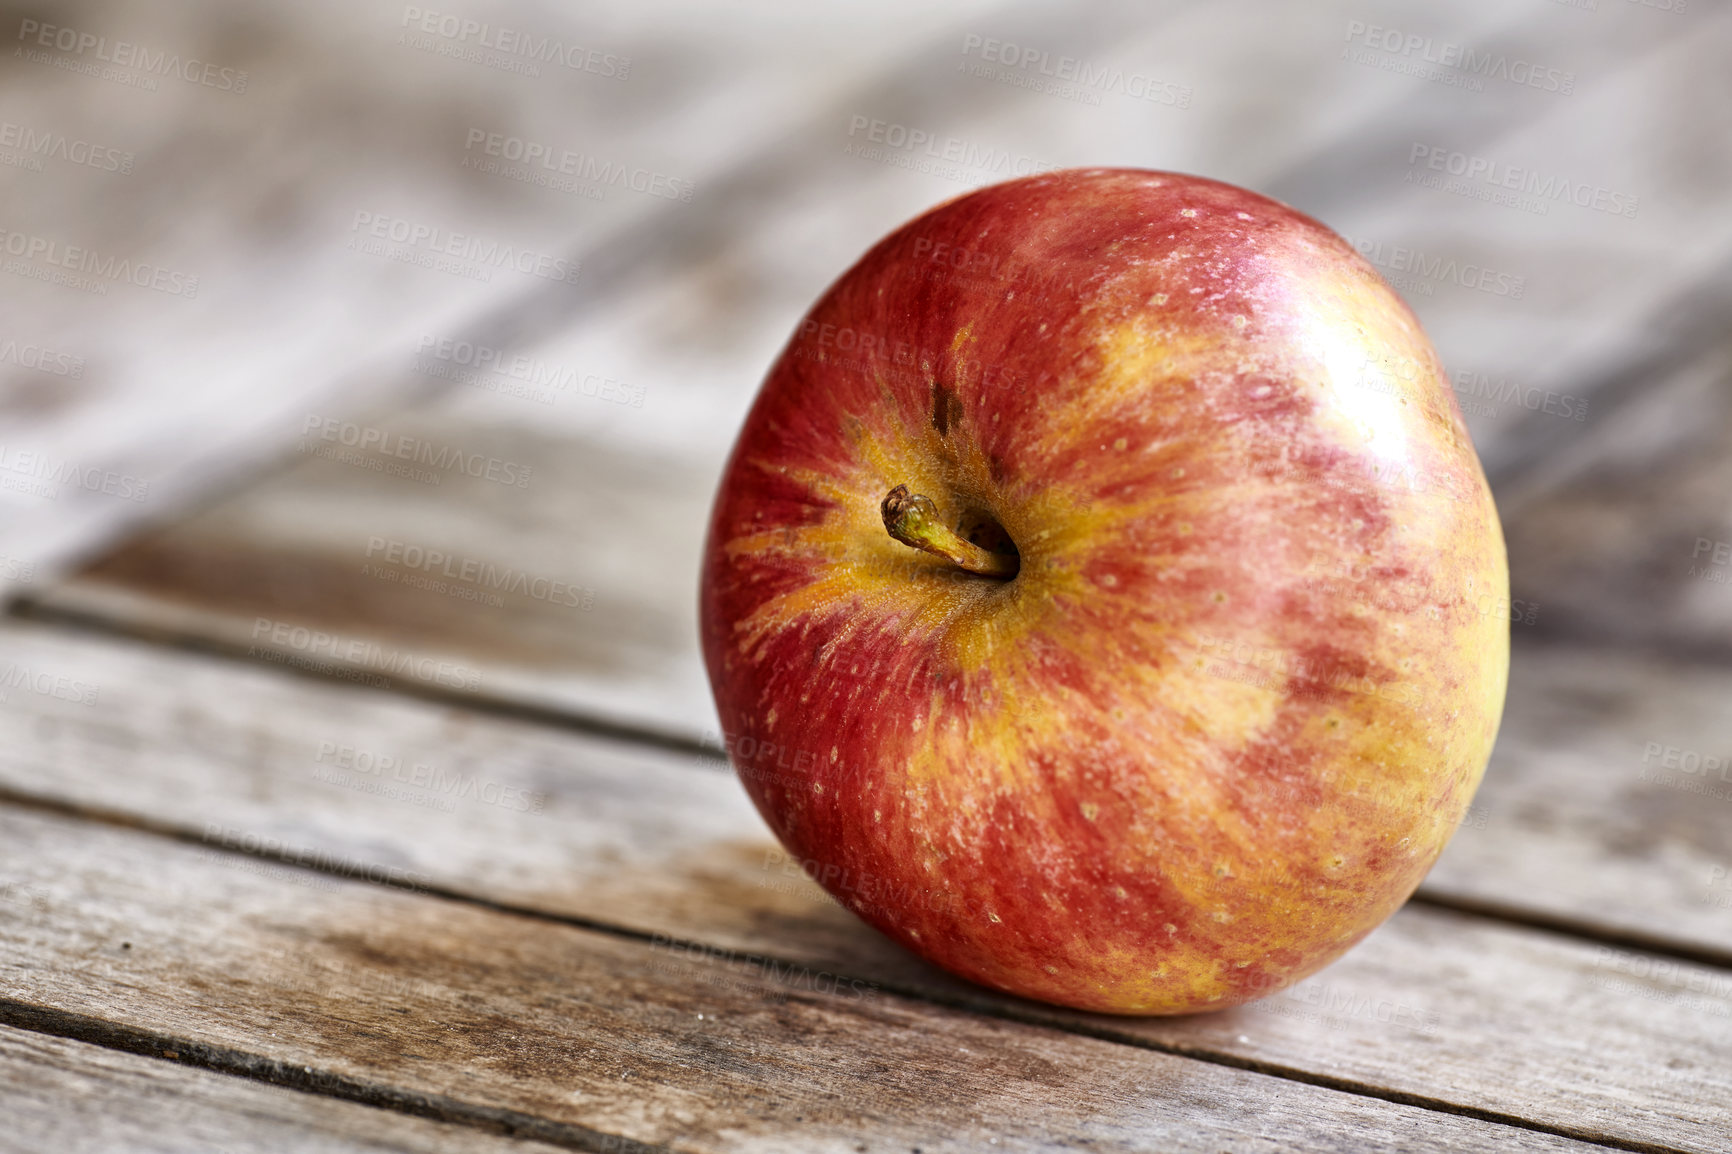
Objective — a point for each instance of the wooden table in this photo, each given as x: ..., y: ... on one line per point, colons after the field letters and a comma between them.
x: 303, y: 848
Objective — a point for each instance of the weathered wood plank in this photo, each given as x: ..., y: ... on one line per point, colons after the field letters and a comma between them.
x: 1575, y: 242
x: 318, y: 124
x: 431, y: 997
x: 700, y: 334
x: 576, y: 592
x: 1435, y: 1005
x: 614, y: 496
x: 71, y: 1097
x: 1641, y: 858
x: 1625, y: 537
x: 1608, y: 802
x: 1274, y: 102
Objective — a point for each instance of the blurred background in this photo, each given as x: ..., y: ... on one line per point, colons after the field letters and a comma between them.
x: 300, y: 296
x: 401, y: 345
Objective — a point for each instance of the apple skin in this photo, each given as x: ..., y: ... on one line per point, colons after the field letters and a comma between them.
x: 1242, y: 689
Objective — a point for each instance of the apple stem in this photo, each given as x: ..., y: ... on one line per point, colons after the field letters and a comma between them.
x: 913, y: 520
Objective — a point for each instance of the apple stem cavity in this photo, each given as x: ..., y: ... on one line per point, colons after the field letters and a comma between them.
x: 913, y: 520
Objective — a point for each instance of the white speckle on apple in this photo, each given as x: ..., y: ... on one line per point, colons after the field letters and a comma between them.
x: 1240, y: 965
x: 919, y: 723
x: 1121, y: 892
x: 1050, y: 969
x: 1222, y: 916
x: 834, y: 754
x: 817, y: 787
x: 1121, y: 444
x: 1108, y: 580
x: 770, y: 720
x: 1260, y: 391
x: 1187, y: 212
x: 1239, y: 322
x: 1243, y: 215
x: 993, y: 918
x: 1090, y: 810
x: 1171, y: 929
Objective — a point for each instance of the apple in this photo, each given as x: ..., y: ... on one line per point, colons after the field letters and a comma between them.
x: 1103, y: 598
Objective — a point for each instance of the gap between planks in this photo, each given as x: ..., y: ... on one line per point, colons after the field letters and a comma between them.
x: 558, y: 990
x: 322, y: 1083
x: 567, y: 720
x: 517, y: 1124
x: 552, y: 716
x: 513, y: 1123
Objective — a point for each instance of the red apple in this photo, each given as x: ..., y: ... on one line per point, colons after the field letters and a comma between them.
x: 1103, y: 598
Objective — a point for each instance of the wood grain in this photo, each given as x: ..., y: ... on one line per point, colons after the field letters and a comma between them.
x: 1608, y: 802
x: 687, y: 310
x: 410, y: 995
x: 1565, y: 828
x: 1626, y: 536
x: 1435, y: 1006
x: 1604, y: 810
x: 580, y: 594
x: 614, y: 497
x: 71, y: 1097
x: 329, y: 120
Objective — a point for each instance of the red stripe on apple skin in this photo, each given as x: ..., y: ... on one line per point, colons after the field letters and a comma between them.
x: 1174, y: 764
